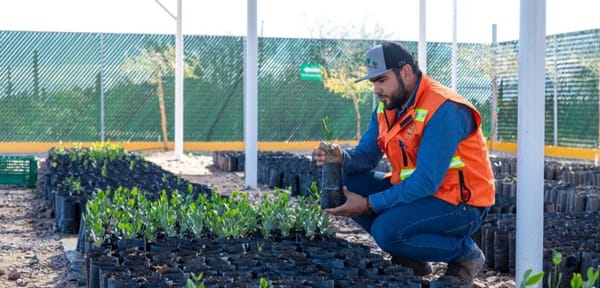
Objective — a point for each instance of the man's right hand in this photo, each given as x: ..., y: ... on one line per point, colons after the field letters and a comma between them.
x: 328, y: 152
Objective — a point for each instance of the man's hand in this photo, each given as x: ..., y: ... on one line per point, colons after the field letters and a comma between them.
x: 328, y: 152
x: 355, y: 205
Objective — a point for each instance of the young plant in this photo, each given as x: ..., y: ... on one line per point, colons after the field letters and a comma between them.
x: 129, y: 220
x: 162, y: 214
x: 248, y: 220
x: 324, y: 224
x: 267, y: 222
x: 74, y: 183
x: 230, y: 224
x: 555, y: 277
x: 326, y: 127
x: 104, y: 171
x: 194, y: 281
x: 263, y: 283
x: 195, y: 217
x: 282, y: 212
x: 259, y: 246
x: 328, y: 133
x: 305, y: 220
x: 531, y: 280
x: 97, y: 217
x: 145, y: 212
x: 592, y: 277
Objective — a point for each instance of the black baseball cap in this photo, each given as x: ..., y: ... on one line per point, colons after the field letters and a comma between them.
x: 385, y: 57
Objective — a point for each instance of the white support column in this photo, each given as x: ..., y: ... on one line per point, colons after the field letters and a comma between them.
x: 555, y: 93
x: 179, y: 85
x: 494, y: 110
x: 530, y: 155
x: 251, y: 97
x: 422, y: 39
x: 454, y: 48
x: 102, y: 114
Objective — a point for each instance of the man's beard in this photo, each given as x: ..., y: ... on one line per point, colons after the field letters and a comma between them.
x: 398, y: 97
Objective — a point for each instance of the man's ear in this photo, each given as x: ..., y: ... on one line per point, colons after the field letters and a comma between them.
x: 407, y: 70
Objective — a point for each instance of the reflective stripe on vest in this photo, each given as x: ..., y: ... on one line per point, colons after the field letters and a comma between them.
x: 455, y: 163
x: 380, y: 107
x: 420, y: 114
x: 405, y: 173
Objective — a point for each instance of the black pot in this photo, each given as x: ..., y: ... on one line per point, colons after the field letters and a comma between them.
x: 121, y: 281
x: 96, y: 264
x: 131, y: 243
x: 105, y: 272
x: 331, y: 185
x: 172, y: 275
x: 134, y: 259
x: 94, y: 253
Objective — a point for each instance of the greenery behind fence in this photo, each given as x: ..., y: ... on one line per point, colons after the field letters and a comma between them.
x: 51, y: 86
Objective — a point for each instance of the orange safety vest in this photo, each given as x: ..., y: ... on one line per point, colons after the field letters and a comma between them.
x: 469, y: 178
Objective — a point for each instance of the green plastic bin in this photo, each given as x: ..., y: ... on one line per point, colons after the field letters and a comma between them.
x: 18, y: 170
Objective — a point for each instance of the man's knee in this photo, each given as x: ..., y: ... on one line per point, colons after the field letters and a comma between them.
x: 387, y: 239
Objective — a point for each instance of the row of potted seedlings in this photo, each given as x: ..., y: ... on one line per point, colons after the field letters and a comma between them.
x: 166, y: 231
x: 126, y: 219
x: 74, y: 173
x: 124, y: 214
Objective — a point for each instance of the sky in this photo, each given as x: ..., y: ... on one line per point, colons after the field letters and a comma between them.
x: 395, y: 19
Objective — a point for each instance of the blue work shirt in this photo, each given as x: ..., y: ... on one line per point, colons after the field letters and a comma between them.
x: 449, y: 125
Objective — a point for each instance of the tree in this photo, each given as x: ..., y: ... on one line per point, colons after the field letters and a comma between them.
x: 344, y: 62
x: 484, y: 59
x: 158, y: 60
x: 36, y: 75
x: 9, y: 85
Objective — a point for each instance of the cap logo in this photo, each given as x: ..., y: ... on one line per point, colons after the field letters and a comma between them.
x: 371, y: 64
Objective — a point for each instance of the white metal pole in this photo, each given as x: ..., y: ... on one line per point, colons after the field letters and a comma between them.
x: 555, y: 93
x: 494, y: 119
x: 530, y: 155
x: 422, y: 39
x: 251, y: 97
x: 102, y: 132
x: 179, y: 84
x: 454, y: 48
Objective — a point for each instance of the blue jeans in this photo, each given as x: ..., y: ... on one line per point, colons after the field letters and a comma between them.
x: 428, y: 229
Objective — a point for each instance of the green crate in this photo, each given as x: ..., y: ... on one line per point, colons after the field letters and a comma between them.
x: 18, y: 170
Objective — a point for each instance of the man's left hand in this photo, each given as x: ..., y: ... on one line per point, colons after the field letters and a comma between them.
x: 355, y: 205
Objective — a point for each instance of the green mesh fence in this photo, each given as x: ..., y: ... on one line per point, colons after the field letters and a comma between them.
x: 63, y: 86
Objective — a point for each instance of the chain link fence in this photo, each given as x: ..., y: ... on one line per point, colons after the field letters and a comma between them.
x: 79, y: 87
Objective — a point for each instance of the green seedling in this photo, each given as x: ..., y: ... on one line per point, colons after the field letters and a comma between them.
x: 531, y: 280
x: 328, y: 133
x: 592, y: 277
x: 326, y: 127
x: 555, y: 277
x: 263, y: 283
x: 194, y: 281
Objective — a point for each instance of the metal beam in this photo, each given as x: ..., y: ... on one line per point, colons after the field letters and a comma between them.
x: 530, y: 139
x: 251, y: 97
x: 179, y: 84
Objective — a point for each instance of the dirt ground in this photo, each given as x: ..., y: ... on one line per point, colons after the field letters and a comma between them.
x: 34, y: 254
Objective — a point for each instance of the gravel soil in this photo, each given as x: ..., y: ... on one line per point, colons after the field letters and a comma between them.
x: 34, y: 254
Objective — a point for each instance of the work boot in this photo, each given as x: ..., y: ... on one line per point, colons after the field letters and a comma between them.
x: 461, y: 272
x: 419, y: 268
